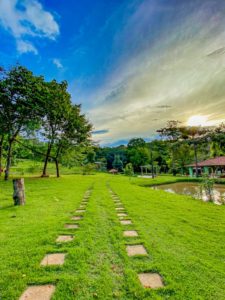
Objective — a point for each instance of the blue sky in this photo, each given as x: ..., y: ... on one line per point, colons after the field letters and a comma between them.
x: 132, y: 64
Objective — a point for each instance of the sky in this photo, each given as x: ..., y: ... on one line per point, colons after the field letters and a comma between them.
x: 132, y: 64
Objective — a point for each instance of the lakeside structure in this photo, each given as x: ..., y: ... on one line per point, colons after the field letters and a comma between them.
x: 213, y: 166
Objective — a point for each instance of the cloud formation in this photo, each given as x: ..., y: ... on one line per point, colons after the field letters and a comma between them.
x: 171, y: 70
x: 57, y: 63
x: 26, y: 19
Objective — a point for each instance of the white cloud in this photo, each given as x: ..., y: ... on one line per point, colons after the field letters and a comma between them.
x: 176, y: 70
x: 58, y: 63
x: 26, y: 19
x: 24, y: 47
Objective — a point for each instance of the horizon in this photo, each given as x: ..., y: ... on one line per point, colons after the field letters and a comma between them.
x: 133, y: 65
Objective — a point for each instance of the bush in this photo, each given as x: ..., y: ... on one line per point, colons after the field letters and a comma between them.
x: 129, y: 171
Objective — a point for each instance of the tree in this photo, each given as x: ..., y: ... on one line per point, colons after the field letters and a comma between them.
x: 172, y: 133
x: 183, y: 155
x: 117, y: 163
x: 129, y: 171
x: 56, y: 109
x: 21, y: 103
x: 194, y: 135
x: 136, y: 143
x: 75, y: 133
x: 138, y: 157
x: 218, y: 140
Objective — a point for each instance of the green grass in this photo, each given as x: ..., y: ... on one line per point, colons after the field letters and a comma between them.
x: 166, y: 179
x: 27, y: 167
x: 184, y: 239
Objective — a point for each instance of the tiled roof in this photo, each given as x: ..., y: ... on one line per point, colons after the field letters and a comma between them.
x: 217, y: 161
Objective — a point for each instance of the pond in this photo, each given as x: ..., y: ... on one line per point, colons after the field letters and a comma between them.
x: 193, y: 189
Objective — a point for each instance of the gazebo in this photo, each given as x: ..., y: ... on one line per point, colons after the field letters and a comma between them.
x: 113, y: 171
x: 213, y: 166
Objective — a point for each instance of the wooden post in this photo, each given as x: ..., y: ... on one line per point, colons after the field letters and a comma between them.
x: 19, y: 191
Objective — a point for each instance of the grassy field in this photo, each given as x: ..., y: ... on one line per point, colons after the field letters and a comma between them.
x: 184, y: 239
x: 27, y: 167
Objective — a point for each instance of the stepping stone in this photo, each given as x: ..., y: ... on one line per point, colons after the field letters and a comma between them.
x: 38, y: 292
x: 151, y: 280
x: 64, y: 238
x: 130, y: 233
x: 122, y: 215
x: 119, y: 208
x: 125, y: 222
x: 76, y: 218
x: 53, y: 259
x: 133, y: 250
x: 80, y: 210
x: 71, y: 226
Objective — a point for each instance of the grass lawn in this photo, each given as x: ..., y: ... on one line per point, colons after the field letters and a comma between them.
x: 184, y: 239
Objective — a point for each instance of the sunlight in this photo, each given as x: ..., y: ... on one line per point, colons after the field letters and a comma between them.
x: 198, y: 120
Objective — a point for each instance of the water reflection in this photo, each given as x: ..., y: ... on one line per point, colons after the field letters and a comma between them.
x: 193, y: 189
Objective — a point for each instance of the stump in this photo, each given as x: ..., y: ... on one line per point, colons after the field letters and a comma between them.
x: 19, y: 191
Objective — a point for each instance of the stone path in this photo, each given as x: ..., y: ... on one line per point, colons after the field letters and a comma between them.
x: 64, y: 238
x: 45, y: 292
x: 53, y: 259
x: 38, y: 292
x: 147, y: 280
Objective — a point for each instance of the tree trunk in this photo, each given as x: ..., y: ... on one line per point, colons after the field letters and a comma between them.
x: 57, y: 161
x: 9, y: 158
x: 46, y: 160
x: 196, y: 160
x: 1, y: 150
x: 19, y: 191
x: 57, y: 167
x: 152, y: 165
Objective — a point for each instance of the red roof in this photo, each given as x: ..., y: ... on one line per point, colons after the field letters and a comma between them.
x: 217, y: 161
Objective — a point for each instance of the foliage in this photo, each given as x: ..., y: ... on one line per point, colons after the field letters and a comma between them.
x: 117, y: 163
x: 206, y: 187
x: 129, y: 171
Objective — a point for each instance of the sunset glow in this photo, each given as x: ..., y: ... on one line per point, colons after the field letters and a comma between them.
x: 198, y: 121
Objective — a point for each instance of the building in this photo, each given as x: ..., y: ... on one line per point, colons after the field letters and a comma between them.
x: 213, y: 166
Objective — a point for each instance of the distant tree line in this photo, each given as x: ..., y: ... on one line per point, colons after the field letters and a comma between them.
x: 177, y: 147
x: 39, y: 117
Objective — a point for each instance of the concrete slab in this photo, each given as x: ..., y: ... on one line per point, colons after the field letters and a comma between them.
x: 119, y: 208
x: 76, y: 218
x: 64, y: 238
x: 133, y: 250
x: 122, y: 215
x: 130, y: 233
x: 38, y: 292
x: 80, y: 211
x: 71, y: 226
x: 151, y: 280
x: 53, y: 259
x: 125, y: 222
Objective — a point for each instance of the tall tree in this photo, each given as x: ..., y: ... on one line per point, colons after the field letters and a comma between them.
x: 172, y: 133
x: 195, y: 135
x: 56, y: 107
x: 21, y: 105
x: 75, y: 132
